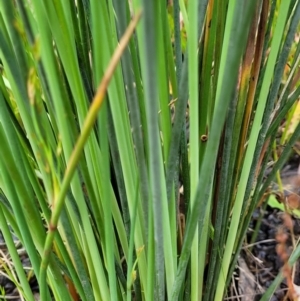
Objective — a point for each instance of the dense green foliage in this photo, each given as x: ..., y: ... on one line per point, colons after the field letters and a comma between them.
x: 89, y: 182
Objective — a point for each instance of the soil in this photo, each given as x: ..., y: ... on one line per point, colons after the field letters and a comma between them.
x: 260, y: 262
x: 263, y: 260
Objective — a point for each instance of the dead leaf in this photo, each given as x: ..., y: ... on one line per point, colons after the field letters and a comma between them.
x: 248, y: 287
x: 296, y: 296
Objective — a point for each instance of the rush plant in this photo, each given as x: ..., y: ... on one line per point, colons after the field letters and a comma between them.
x: 108, y: 109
